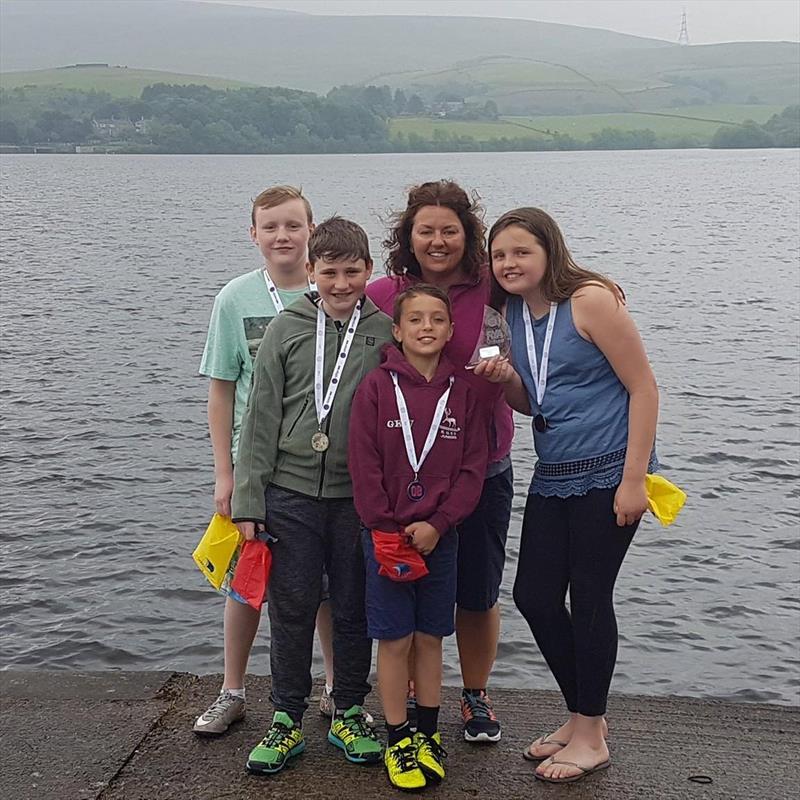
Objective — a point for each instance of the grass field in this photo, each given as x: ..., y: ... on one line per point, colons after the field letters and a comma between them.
x: 701, y: 121
x: 117, y: 81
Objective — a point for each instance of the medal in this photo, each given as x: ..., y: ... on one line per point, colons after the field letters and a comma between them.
x: 539, y: 372
x: 320, y: 442
x: 324, y: 402
x: 415, y: 489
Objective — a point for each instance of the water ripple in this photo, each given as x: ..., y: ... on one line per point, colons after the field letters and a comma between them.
x: 107, y: 472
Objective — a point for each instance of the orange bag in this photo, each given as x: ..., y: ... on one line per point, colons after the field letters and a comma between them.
x: 397, y: 559
x: 251, y: 578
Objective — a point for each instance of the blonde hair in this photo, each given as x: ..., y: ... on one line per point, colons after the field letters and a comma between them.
x: 278, y: 195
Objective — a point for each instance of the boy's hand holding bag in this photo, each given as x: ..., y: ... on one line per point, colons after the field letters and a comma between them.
x: 251, y: 578
x: 396, y: 558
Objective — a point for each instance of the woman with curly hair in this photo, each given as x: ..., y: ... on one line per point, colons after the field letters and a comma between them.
x: 439, y: 239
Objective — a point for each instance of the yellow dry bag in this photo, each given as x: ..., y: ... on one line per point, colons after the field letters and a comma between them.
x: 664, y: 499
x: 215, y: 551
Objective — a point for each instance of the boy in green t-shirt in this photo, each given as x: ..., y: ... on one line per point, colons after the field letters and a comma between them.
x: 292, y: 480
x: 281, y: 224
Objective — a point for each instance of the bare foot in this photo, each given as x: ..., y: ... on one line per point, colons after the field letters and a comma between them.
x: 555, y: 742
x: 563, y: 765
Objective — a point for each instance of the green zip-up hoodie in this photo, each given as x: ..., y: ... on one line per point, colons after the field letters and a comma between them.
x: 275, y: 441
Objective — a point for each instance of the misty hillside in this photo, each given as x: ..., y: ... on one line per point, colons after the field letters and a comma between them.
x: 275, y: 48
x: 524, y: 67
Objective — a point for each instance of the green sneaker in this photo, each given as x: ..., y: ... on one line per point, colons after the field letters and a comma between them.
x: 283, y: 741
x: 402, y: 767
x: 352, y: 733
x: 430, y: 755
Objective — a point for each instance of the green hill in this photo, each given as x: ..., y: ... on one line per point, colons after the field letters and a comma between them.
x: 117, y: 81
x: 700, y: 122
x: 743, y: 73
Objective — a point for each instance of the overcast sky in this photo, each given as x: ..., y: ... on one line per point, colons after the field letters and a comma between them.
x: 708, y: 20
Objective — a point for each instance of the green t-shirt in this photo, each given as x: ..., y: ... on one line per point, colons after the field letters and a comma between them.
x: 242, y: 310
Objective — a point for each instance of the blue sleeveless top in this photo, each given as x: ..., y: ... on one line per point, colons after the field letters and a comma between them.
x: 585, y: 405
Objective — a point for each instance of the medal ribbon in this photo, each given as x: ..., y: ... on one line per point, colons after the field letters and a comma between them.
x: 405, y: 423
x: 274, y: 294
x: 539, y: 372
x: 325, y: 403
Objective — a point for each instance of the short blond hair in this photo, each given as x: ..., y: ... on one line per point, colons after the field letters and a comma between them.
x: 276, y: 196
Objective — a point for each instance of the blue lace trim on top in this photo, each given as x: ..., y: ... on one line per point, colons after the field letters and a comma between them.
x: 571, y: 478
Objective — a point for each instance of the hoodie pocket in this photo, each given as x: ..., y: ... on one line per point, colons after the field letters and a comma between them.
x: 299, y: 416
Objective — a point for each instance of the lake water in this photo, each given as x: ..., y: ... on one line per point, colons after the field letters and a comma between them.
x: 109, y: 268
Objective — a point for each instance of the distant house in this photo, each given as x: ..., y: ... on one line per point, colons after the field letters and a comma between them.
x: 447, y: 108
x: 118, y: 128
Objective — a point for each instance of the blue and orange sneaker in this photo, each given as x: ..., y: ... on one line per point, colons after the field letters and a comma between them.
x: 480, y: 723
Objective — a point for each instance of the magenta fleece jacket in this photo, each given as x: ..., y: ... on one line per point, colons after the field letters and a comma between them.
x: 468, y: 301
x: 454, y: 470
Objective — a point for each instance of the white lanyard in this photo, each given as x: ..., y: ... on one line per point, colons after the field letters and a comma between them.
x: 324, y: 404
x: 275, y: 295
x: 539, y: 372
x: 405, y: 422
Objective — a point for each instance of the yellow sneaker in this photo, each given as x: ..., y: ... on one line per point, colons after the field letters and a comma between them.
x: 430, y: 755
x: 401, y: 765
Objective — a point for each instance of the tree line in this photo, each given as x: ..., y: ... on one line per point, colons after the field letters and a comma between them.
x: 198, y: 119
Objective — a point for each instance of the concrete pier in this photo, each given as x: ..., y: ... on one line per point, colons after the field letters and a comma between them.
x: 127, y: 736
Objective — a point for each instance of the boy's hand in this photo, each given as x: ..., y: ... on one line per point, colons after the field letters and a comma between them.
x: 495, y: 370
x: 223, y: 490
x: 424, y: 537
x: 250, y: 529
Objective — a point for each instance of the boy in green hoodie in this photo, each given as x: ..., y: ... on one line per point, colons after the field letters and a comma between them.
x: 294, y: 444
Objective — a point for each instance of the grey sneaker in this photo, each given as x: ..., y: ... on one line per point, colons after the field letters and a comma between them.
x: 326, y: 703
x: 221, y: 714
x: 326, y: 707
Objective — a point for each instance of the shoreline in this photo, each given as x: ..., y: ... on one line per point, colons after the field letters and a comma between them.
x: 112, y: 735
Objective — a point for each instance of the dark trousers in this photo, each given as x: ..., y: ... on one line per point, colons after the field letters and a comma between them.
x: 573, y: 543
x: 482, y: 544
x: 315, y: 534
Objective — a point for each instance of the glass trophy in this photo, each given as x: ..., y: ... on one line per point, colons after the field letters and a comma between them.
x: 494, y: 339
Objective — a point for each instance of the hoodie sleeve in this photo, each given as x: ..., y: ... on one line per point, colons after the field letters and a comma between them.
x: 365, y: 460
x: 261, y: 425
x: 466, y: 489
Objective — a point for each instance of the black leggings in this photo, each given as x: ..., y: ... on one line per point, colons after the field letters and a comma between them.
x: 573, y: 542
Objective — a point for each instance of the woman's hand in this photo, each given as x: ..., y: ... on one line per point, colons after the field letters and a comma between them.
x: 630, y: 502
x: 424, y: 537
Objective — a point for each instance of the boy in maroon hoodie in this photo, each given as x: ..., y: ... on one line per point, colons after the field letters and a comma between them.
x: 417, y: 457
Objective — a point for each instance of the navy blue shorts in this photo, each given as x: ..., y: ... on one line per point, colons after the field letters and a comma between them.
x: 427, y: 605
x: 482, y: 545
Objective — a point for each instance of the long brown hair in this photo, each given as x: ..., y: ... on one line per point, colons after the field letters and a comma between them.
x: 562, y: 277
x: 401, y: 259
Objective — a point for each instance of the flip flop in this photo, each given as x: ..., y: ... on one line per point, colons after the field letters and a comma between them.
x: 584, y: 771
x: 542, y: 740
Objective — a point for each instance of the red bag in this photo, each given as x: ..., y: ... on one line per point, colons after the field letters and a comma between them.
x: 252, y: 572
x: 398, y: 560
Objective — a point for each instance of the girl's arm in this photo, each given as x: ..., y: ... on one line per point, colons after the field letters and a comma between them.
x: 603, y: 319
x: 499, y: 370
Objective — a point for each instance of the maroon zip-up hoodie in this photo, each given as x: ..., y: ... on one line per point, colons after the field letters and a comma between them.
x: 454, y: 470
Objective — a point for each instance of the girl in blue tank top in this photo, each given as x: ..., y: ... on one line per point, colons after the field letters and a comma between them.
x: 578, y: 367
